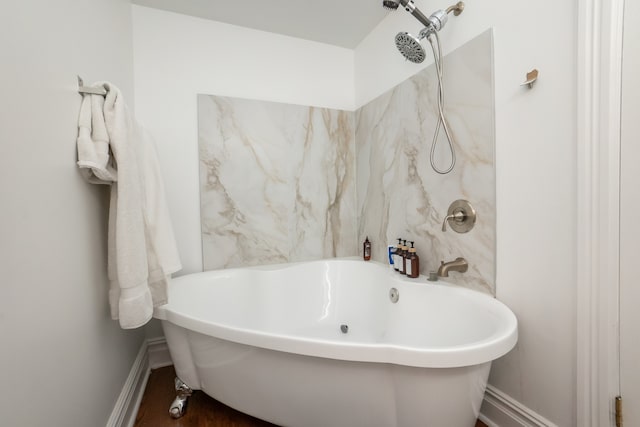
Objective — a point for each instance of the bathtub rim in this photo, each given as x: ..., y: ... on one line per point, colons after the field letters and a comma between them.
x: 478, y: 352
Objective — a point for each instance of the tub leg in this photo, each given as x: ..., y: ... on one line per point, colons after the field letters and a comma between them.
x: 179, y: 404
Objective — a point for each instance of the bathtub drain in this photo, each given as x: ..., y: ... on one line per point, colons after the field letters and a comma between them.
x: 344, y: 328
x: 394, y: 295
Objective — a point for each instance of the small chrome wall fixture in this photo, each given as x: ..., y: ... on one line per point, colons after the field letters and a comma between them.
x: 88, y: 89
x: 461, y: 217
x: 532, y: 76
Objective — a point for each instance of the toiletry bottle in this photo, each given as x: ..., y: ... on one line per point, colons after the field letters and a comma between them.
x: 397, y: 260
x: 413, y: 263
x: 403, y: 269
x: 366, y: 249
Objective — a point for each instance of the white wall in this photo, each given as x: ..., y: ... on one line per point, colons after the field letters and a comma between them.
x: 536, y: 184
x: 63, y: 361
x: 179, y: 56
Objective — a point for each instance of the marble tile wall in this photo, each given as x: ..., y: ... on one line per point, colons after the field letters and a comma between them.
x: 277, y: 182
x: 283, y: 183
x: 399, y: 195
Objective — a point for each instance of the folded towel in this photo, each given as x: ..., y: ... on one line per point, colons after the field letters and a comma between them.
x: 142, y: 251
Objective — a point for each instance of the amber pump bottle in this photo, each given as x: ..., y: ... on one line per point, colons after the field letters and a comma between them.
x: 366, y: 249
x: 413, y: 263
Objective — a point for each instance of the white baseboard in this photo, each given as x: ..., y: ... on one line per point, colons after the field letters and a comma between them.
x: 158, y: 351
x: 124, y: 411
x: 501, y: 410
x: 153, y: 354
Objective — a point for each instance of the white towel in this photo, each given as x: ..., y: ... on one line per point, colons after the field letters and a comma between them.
x: 93, y: 142
x: 142, y: 252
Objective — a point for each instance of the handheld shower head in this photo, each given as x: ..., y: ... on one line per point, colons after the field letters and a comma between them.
x: 409, y: 6
x: 410, y: 47
x: 390, y: 4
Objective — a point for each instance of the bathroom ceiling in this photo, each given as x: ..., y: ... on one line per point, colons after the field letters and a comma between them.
x: 338, y: 22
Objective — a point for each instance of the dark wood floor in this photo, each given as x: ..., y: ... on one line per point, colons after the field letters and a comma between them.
x: 202, y: 410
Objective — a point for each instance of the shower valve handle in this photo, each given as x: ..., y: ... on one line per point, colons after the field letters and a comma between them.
x: 461, y: 217
x: 458, y: 216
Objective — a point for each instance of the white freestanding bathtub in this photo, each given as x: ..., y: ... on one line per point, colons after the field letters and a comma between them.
x: 321, y: 344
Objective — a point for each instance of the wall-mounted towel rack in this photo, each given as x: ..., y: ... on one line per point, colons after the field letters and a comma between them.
x: 86, y: 89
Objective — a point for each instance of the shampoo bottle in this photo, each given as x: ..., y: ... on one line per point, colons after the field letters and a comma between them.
x: 413, y: 263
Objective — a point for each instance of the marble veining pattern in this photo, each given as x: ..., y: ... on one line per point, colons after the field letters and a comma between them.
x: 399, y: 195
x: 282, y: 183
x: 277, y: 182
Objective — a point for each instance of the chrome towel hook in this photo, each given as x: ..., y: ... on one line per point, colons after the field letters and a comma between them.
x: 87, y: 89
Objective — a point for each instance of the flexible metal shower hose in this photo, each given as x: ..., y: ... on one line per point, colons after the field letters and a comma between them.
x: 442, y: 121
